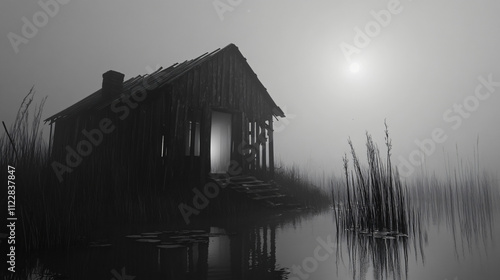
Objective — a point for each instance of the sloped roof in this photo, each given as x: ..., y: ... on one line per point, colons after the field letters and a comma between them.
x: 162, y: 76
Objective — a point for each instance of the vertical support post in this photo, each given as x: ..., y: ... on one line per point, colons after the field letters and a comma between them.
x: 236, y: 138
x: 253, y: 153
x: 264, y: 150
x: 191, y: 123
x: 192, y: 136
x: 271, y: 146
x: 244, y: 141
x: 205, y: 139
x: 258, y: 144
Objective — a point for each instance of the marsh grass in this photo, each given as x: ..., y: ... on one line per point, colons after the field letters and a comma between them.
x: 60, y: 215
x: 24, y: 149
x: 300, y: 186
x: 374, y: 198
x: 375, y: 203
x: 464, y: 201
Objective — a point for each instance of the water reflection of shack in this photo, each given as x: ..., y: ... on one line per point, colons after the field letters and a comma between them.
x: 184, y: 121
x: 249, y: 255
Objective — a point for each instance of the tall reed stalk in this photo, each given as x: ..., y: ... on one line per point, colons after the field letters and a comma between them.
x: 374, y: 196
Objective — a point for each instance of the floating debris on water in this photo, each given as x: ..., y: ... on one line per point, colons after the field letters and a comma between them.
x: 148, y: 240
x: 134, y: 236
x: 152, y: 233
x: 177, y: 238
x: 173, y: 246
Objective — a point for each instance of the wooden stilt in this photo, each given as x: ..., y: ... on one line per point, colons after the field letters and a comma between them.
x: 257, y: 146
x: 271, y: 147
x: 253, y: 153
x: 264, y: 150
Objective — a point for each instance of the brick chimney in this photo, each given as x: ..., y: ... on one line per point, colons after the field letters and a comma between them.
x: 112, y: 83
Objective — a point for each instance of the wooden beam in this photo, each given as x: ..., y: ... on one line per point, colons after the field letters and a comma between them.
x: 257, y: 146
x: 205, y: 139
x: 192, y: 143
x: 253, y: 145
x: 271, y: 146
x: 244, y: 142
x: 264, y: 150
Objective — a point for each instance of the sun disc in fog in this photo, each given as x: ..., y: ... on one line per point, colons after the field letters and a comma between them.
x: 355, y: 67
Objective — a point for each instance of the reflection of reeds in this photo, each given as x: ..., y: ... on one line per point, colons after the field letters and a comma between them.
x: 387, y: 255
x: 463, y: 202
x: 377, y: 217
x: 372, y: 215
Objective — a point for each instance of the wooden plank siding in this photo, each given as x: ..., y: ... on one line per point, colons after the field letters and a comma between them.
x: 222, y: 81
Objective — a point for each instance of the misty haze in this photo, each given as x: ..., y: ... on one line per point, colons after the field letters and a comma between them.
x: 232, y: 139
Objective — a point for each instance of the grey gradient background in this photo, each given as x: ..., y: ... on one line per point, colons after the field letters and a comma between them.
x: 426, y: 60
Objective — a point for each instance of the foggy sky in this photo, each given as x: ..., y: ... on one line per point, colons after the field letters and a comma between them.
x: 426, y: 61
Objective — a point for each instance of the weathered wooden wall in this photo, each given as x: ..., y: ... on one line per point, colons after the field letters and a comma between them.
x: 225, y: 82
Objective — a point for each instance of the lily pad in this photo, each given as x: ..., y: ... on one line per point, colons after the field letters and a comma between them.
x: 152, y: 233
x: 170, y: 246
x: 99, y: 245
x: 193, y: 231
x: 133, y: 236
x: 145, y: 240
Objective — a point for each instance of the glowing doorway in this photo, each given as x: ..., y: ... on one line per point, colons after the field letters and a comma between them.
x: 220, y: 142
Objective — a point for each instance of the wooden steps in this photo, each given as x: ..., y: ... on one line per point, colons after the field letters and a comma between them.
x: 269, y: 193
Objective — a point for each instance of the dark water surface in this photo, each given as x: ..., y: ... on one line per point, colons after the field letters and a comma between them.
x: 445, y: 241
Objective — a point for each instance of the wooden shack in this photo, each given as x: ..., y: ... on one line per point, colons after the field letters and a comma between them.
x: 207, y: 115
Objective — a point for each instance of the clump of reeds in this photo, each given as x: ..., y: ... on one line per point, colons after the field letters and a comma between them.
x: 374, y: 203
x: 23, y: 143
x: 374, y: 198
x: 22, y: 147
